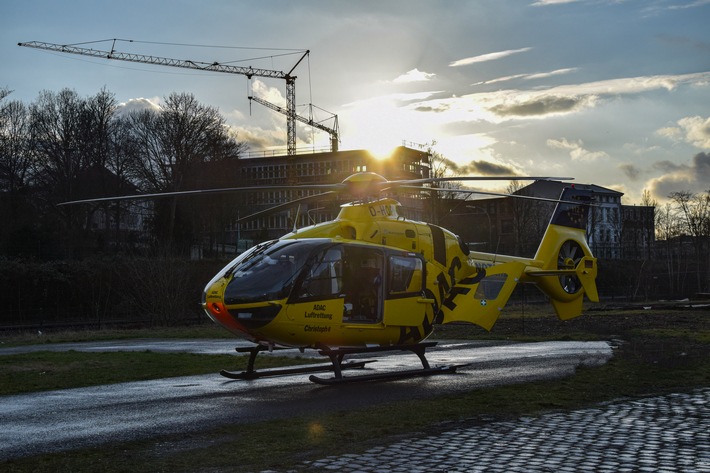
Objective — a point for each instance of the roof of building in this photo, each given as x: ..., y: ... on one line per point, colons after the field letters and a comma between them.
x: 553, y: 189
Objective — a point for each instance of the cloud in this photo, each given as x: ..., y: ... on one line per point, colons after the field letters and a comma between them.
x: 537, y: 75
x: 543, y: 3
x: 576, y: 150
x: 258, y: 138
x: 693, y: 130
x: 630, y: 171
x: 685, y: 42
x: 693, y: 177
x: 670, y: 132
x: 542, y: 105
x: 138, y: 105
x: 415, y: 75
x: 270, y: 94
x: 697, y: 131
x: 427, y: 108
x: 556, y: 72
x: 691, y: 4
x: 487, y: 57
x: 479, y: 167
x: 507, y: 104
x: 514, y: 103
x: 396, y: 98
x: 635, y: 85
x: 487, y: 168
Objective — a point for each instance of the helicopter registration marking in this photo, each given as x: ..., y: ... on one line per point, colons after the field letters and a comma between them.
x: 385, y: 210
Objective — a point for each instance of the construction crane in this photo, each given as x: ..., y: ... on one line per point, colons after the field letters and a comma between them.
x: 333, y: 132
x: 249, y: 72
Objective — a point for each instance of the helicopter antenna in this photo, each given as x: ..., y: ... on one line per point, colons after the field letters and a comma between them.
x: 295, y: 220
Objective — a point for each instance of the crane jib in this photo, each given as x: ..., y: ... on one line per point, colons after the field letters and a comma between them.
x: 214, y: 66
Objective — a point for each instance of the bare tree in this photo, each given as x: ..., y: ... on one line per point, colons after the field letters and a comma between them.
x: 172, y: 142
x: 529, y: 219
x: 56, y: 129
x: 98, y: 122
x: 16, y: 206
x: 694, y: 210
x: 441, y: 167
x: 15, y: 159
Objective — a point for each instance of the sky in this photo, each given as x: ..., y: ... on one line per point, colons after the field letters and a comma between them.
x: 611, y: 92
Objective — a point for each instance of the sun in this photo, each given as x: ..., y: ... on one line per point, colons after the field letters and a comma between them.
x: 381, y: 151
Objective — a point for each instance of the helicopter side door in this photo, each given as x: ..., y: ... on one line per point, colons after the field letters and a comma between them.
x: 404, y: 303
x: 363, y: 278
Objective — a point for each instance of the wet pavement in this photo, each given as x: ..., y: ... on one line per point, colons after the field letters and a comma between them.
x: 656, y: 435
x: 51, y: 421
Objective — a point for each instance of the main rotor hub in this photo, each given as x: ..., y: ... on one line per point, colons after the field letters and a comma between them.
x: 364, y: 184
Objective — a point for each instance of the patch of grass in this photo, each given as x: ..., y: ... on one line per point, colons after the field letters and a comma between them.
x: 42, y: 371
x: 10, y: 339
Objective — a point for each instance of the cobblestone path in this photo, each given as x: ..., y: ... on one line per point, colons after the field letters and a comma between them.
x: 660, y: 434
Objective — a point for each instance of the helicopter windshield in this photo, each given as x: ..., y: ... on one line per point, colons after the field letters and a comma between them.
x: 268, y: 274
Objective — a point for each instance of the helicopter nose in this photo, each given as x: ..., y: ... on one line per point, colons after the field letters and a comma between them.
x: 218, y: 313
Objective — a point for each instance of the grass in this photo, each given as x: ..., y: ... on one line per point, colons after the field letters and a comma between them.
x: 207, y: 330
x: 42, y: 371
x: 657, y: 353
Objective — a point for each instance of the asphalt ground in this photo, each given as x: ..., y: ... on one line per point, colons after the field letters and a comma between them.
x: 43, y: 422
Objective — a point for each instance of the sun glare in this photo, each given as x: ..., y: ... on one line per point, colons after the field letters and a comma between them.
x: 381, y: 151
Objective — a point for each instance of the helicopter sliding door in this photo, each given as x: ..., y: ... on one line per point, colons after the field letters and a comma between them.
x: 363, y: 270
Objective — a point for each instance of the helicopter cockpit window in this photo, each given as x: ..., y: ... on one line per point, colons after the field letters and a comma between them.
x: 325, y: 275
x: 405, y: 275
x: 268, y: 274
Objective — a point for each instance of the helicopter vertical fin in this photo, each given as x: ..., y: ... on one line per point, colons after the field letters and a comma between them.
x: 568, y: 269
x: 479, y: 299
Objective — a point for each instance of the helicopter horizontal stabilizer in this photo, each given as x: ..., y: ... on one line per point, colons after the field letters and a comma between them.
x: 480, y: 299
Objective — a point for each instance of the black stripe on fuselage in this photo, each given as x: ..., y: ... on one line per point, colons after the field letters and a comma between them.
x: 439, y: 242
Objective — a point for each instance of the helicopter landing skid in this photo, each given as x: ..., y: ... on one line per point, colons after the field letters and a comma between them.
x: 294, y: 370
x: 337, y: 354
x: 251, y: 373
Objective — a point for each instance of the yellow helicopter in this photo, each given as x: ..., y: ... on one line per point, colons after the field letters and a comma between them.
x: 371, y: 280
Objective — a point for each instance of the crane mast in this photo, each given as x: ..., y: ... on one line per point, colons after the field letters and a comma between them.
x: 249, y: 72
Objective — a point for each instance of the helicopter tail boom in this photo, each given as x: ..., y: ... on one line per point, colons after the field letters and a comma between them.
x: 563, y: 268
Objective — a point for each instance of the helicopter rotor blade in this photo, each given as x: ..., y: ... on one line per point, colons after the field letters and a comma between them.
x: 354, y: 184
x: 224, y: 190
x: 432, y: 180
x: 496, y: 194
x: 278, y: 207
